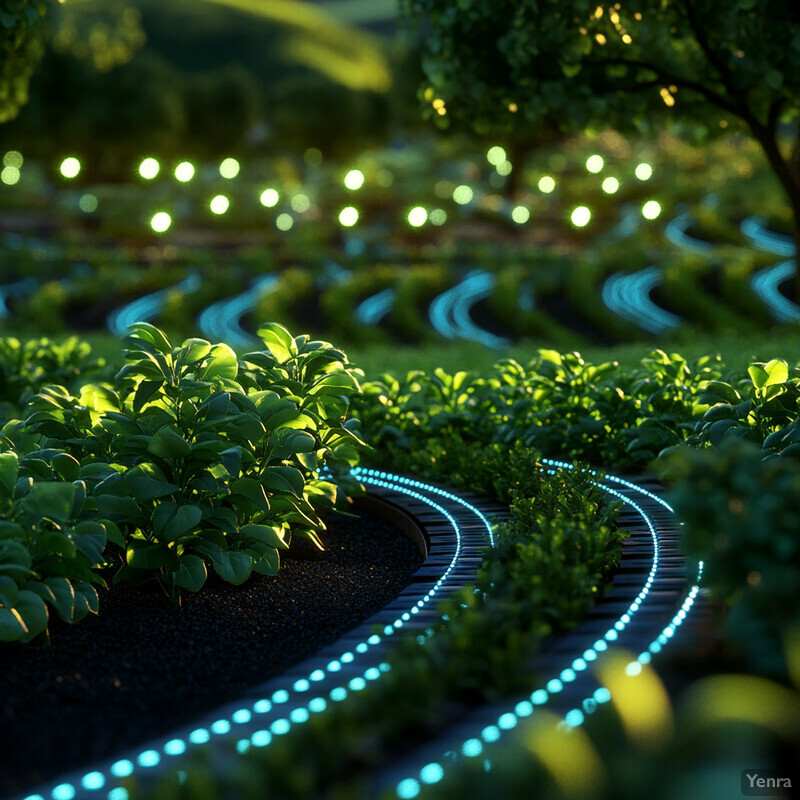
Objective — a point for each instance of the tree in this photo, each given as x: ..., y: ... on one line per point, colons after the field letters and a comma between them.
x: 715, y: 66
x: 21, y: 48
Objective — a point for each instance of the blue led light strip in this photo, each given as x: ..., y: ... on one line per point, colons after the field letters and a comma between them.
x: 372, y: 310
x: 628, y: 295
x: 473, y: 747
x: 675, y: 232
x: 297, y: 700
x: 147, y: 307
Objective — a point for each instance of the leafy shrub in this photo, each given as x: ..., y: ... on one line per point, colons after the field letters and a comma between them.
x: 189, y: 459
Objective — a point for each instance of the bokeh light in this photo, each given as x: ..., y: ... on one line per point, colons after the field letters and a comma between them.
x: 580, y: 216
x: 229, y: 168
x: 88, y: 203
x: 184, y: 172
x: 438, y: 216
x: 651, y: 209
x: 463, y: 194
x: 546, y: 184
x: 348, y: 216
x: 13, y: 158
x: 610, y: 185
x: 10, y: 175
x: 284, y: 222
x: 160, y: 221
x: 300, y: 203
x: 520, y: 215
x: 595, y: 163
x: 643, y: 171
x: 70, y: 167
x: 219, y: 204
x: 313, y: 156
x: 354, y: 179
x: 417, y: 217
x: 504, y: 167
x: 269, y: 198
x: 496, y: 155
x: 149, y: 168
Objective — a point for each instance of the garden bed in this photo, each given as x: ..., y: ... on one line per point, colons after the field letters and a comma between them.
x: 143, y: 666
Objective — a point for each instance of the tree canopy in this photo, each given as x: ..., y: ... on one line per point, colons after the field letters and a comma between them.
x: 710, y: 65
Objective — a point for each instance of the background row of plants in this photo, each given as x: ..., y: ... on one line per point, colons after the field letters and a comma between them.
x: 187, y: 459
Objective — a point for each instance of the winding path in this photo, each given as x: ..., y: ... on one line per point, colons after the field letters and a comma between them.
x: 650, y: 599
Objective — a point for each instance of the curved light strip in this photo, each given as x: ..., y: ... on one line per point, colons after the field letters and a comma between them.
x: 628, y: 295
x: 25, y: 286
x: 675, y: 232
x: 372, y: 310
x: 449, y: 312
x: 246, y: 722
x: 147, y: 307
x: 765, y: 284
x: 220, y: 321
x: 753, y: 230
x: 473, y: 747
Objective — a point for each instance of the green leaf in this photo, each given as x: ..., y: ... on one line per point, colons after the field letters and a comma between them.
x: 171, y: 521
x: 777, y: 372
x: 278, y: 341
x: 167, y: 443
x: 266, y: 560
x: 52, y: 500
x: 272, y: 536
x: 153, y: 335
x: 144, y: 391
x: 34, y: 614
x: 192, y: 573
x: 233, y: 567
x: 67, y: 467
x: 9, y: 467
x: 90, y: 537
x: 221, y: 363
x: 252, y: 490
x: 9, y: 591
x: 59, y: 593
x: 283, y: 479
x: 195, y: 350
x: 151, y: 555
x: 12, y: 626
x: 147, y: 482
x: 88, y: 595
x: 758, y: 375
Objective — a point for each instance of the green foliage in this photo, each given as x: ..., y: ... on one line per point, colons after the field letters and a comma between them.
x: 559, y: 404
x: 741, y: 518
x: 188, y: 460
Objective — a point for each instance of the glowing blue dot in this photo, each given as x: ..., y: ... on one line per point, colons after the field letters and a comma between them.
x: 175, y: 747
x: 242, y: 746
x: 220, y: 727
x: 302, y: 685
x: 507, y: 721
x: 611, y: 636
x: 281, y: 696
x: 374, y: 639
x: 357, y: 684
x: 618, y: 626
x: 398, y: 623
x: 299, y: 715
x: 405, y: 617
x: 149, y: 758
x: 600, y: 646
x: 655, y: 647
x: 93, y: 780
x: 384, y: 666
x: 262, y: 706
x: 669, y: 631
x: 334, y: 666
x: 120, y: 793
x: 362, y: 647
x: 491, y: 733
x: 568, y: 675
x: 472, y: 748
x: 554, y: 686
x: 407, y: 789
x: 64, y: 791
x: 347, y: 658
x: 317, y: 704
x: 338, y: 694
x: 590, y: 705
x: 523, y: 709
x: 579, y: 664
x: 261, y: 738
x: 634, y: 668
x: 121, y: 769
x: 431, y: 773
x: 280, y: 726
x: 539, y: 697
x: 33, y: 797
x: 241, y: 716
x: 574, y: 718
x: 602, y: 695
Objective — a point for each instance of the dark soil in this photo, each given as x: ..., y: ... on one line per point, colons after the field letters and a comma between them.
x: 143, y: 666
